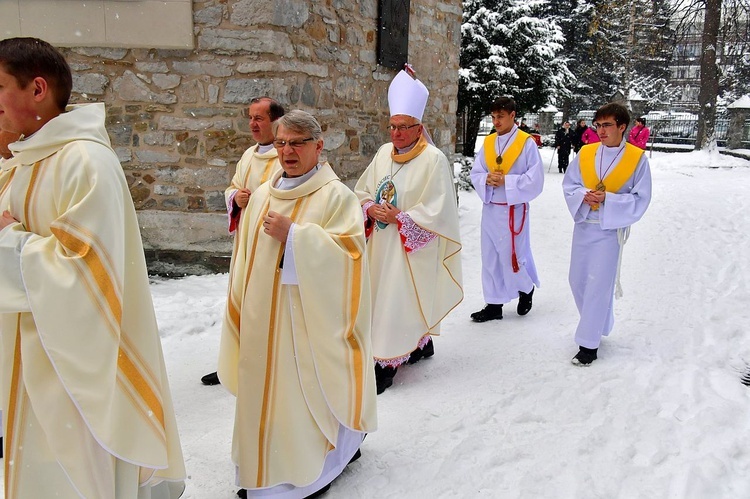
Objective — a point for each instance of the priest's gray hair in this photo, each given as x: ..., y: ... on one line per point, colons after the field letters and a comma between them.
x: 300, y: 122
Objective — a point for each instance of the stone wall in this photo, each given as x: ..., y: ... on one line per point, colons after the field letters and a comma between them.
x: 178, y: 118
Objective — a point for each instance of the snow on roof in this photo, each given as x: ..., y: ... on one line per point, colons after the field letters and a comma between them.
x: 741, y: 103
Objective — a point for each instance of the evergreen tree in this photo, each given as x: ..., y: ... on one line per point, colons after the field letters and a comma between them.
x: 508, y: 47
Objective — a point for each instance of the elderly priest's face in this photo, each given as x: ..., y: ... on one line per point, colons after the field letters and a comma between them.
x: 298, y: 151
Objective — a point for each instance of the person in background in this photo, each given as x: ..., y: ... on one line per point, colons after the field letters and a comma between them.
x: 507, y: 174
x: 639, y: 134
x: 86, y: 399
x: 590, y: 135
x: 256, y: 166
x: 563, y: 142
x: 523, y: 126
x: 580, y: 129
x: 607, y: 189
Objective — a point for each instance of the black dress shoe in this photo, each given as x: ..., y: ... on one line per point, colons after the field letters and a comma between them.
x: 584, y: 357
x: 524, y: 302
x: 242, y: 494
x: 428, y: 350
x: 356, y: 456
x: 489, y: 313
x: 211, y: 379
x: 319, y: 492
x: 384, y: 377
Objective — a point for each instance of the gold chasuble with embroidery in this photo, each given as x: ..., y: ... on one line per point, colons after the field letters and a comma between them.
x: 412, y: 292
x: 87, y: 407
x: 298, y: 356
x: 509, y: 156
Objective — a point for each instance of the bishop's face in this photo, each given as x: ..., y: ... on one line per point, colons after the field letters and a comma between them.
x: 405, y: 130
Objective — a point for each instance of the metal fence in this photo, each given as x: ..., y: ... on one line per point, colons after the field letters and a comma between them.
x: 683, y: 131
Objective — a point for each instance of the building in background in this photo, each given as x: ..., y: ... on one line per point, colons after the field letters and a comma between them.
x: 177, y: 77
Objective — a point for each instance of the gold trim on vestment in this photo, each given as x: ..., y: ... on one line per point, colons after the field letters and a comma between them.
x: 13, y: 433
x: 29, y: 193
x: 7, y: 184
x: 96, y: 268
x: 512, y: 152
x: 267, y: 171
x: 139, y: 383
x: 266, y: 405
x: 355, y: 284
x: 418, y: 149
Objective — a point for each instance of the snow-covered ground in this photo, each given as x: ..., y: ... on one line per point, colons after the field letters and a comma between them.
x: 499, y: 411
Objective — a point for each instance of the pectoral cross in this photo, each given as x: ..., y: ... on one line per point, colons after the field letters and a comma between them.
x: 600, y: 187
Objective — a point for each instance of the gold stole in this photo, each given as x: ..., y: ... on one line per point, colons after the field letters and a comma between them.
x: 622, y: 171
x: 418, y: 148
x: 512, y: 152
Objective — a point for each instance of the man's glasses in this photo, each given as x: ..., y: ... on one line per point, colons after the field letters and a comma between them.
x: 401, y: 128
x: 294, y: 144
x: 605, y: 125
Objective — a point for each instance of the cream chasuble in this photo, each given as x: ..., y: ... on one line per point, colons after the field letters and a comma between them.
x: 412, y: 293
x: 253, y: 169
x: 298, y: 357
x: 87, y: 406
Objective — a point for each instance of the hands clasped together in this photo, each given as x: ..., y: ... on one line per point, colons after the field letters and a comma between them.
x: 385, y: 212
x: 594, y: 198
x: 495, y: 179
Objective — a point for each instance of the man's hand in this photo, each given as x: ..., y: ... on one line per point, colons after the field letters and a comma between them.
x: 390, y: 213
x: 6, y: 219
x: 594, y: 198
x: 277, y: 226
x: 242, y: 197
x: 495, y: 179
x: 376, y: 212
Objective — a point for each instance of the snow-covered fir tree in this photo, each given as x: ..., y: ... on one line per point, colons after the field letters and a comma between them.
x: 512, y: 48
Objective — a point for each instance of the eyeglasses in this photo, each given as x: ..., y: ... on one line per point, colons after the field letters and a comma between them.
x: 605, y: 125
x: 401, y: 128
x: 294, y: 144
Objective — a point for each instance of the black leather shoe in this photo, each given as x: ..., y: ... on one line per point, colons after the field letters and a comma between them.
x: 356, y: 456
x: 524, y: 302
x: 384, y: 377
x: 584, y: 357
x: 211, y: 379
x: 319, y: 492
x: 242, y: 494
x: 428, y: 350
x: 489, y: 313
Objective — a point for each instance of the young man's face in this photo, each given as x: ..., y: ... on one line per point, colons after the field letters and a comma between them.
x: 609, y: 132
x: 503, y: 121
x: 260, y: 122
x: 17, y: 105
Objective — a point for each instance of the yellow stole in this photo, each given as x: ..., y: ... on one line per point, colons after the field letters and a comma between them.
x: 511, y: 152
x: 418, y: 148
x: 622, y: 171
